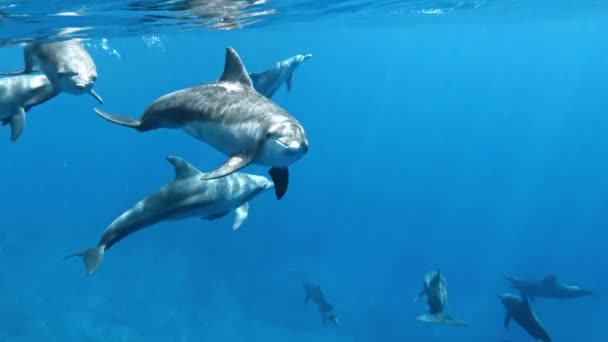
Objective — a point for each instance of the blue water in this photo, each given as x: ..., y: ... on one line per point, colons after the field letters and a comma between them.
x: 473, y: 145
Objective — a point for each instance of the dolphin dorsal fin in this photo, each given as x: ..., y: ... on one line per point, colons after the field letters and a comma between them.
x: 234, y: 70
x: 183, y: 169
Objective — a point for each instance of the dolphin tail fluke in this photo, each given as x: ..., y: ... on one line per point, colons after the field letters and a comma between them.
x: 92, y: 258
x: 441, y: 319
x: 119, y: 120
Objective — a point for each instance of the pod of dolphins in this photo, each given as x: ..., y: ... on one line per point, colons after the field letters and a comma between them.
x: 235, y: 115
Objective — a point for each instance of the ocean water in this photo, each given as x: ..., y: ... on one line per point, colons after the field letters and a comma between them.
x: 465, y: 136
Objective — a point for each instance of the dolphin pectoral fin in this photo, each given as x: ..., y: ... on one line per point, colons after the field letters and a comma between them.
x: 508, y: 318
x: 96, y: 96
x: 17, y: 124
x: 119, y: 120
x: 441, y: 319
x: 429, y: 318
x: 448, y: 320
x: 241, y: 215
x: 420, y: 294
x: 280, y: 178
x: 92, y: 258
x: 13, y: 73
x: 288, y: 82
x: 215, y: 216
x: 233, y: 164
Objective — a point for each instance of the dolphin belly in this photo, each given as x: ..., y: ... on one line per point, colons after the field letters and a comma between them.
x: 229, y: 139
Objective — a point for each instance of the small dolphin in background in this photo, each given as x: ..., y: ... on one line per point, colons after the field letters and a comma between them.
x: 186, y: 196
x: 519, y: 310
x: 18, y: 94
x: 67, y: 64
x: 314, y: 294
x: 269, y: 81
x: 435, y: 288
x: 549, y: 287
x: 232, y: 117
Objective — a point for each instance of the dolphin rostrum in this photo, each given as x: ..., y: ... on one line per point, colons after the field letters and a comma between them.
x: 186, y: 196
x: 232, y: 117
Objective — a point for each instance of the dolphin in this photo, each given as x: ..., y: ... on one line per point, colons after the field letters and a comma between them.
x: 232, y: 117
x: 519, y: 310
x: 435, y: 288
x: 269, y: 81
x: 18, y: 94
x: 549, y: 287
x: 186, y: 196
x: 314, y: 294
x: 67, y: 64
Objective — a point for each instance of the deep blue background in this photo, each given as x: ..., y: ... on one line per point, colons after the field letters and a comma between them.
x: 478, y: 149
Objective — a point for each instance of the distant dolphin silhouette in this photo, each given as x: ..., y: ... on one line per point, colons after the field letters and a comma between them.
x: 435, y: 288
x: 519, y: 310
x: 314, y: 294
x: 549, y: 287
x: 269, y: 81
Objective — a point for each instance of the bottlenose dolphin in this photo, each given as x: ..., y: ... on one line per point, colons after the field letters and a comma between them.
x: 520, y: 311
x: 67, y: 64
x: 314, y: 294
x: 549, y: 287
x: 186, y: 196
x: 232, y: 117
x: 435, y: 288
x: 18, y: 94
x: 269, y: 81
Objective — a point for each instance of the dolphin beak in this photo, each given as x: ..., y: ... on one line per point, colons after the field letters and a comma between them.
x: 95, y: 95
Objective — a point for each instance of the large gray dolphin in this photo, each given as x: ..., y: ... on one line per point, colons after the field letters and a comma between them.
x: 18, y: 94
x: 67, y: 64
x: 231, y: 116
x: 519, y: 310
x: 186, y: 196
x: 549, y: 287
x: 436, y: 290
x: 269, y: 81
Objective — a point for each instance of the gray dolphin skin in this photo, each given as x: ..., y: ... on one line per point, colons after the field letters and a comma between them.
x: 314, y: 294
x: 67, y: 64
x: 519, y: 310
x: 18, y: 94
x: 233, y: 118
x: 185, y: 197
x: 269, y: 81
x: 435, y: 288
x: 549, y: 287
